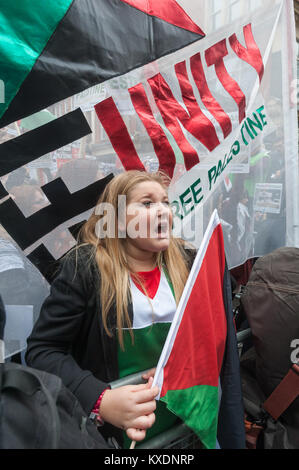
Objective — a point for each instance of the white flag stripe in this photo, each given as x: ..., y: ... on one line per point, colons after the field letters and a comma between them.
x: 148, y: 311
x: 158, y: 379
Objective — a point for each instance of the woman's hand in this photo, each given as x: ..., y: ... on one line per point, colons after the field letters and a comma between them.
x: 149, y: 373
x: 130, y: 408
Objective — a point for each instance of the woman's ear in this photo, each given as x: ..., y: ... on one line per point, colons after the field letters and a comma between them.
x: 122, y: 216
x: 121, y: 228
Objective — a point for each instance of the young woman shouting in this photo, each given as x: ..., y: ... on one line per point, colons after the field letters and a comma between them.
x: 111, y: 306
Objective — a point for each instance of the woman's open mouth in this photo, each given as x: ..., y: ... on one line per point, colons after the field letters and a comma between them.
x: 162, y: 229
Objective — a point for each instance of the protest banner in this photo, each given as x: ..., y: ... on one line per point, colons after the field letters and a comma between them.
x: 205, y: 91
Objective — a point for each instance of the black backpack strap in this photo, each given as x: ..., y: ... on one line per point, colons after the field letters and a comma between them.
x: 29, y: 383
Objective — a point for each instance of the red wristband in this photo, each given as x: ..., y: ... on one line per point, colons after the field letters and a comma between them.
x: 96, y: 408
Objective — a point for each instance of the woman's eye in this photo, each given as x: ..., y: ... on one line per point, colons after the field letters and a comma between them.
x: 151, y: 203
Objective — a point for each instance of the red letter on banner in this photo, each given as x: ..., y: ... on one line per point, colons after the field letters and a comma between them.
x: 118, y: 134
x: 200, y: 126
x: 214, y: 56
x: 252, y: 54
x: 196, y: 123
x: 206, y: 96
x: 162, y: 147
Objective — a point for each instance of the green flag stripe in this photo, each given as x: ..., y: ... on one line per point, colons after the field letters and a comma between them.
x: 198, y: 408
x: 25, y: 29
x: 144, y: 353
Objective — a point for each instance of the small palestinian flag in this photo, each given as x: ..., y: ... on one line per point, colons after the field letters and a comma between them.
x: 198, y: 371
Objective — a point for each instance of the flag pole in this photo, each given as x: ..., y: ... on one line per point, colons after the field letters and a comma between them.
x: 133, y: 444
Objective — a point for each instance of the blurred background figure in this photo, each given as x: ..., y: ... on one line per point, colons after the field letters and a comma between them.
x: 29, y: 198
x: 18, y: 178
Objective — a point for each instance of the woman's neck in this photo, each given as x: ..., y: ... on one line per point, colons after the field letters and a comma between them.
x: 140, y: 261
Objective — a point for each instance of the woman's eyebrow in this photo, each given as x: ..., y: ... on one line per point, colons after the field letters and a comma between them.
x: 151, y: 195
x: 147, y: 195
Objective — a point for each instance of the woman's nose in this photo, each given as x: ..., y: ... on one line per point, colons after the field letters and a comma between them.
x: 162, y: 208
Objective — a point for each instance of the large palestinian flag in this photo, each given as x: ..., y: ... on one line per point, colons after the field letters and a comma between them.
x: 198, y: 371
x: 55, y: 49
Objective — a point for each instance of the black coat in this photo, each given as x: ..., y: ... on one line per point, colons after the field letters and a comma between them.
x: 69, y: 339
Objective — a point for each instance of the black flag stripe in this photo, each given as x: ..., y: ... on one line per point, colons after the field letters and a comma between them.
x: 96, y: 41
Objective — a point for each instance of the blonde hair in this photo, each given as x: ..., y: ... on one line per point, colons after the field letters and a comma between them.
x: 110, y: 255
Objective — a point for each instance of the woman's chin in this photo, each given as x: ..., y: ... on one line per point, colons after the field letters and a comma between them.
x: 160, y: 244
x: 153, y: 245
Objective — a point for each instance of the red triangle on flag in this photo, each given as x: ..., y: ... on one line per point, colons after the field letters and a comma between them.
x: 167, y: 10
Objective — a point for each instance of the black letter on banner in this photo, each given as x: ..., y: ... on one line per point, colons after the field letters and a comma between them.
x: 45, y: 139
x: 64, y: 206
x: 44, y: 261
x: 3, y: 191
x: 75, y: 229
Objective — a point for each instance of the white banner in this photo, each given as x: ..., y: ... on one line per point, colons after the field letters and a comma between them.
x: 219, y: 116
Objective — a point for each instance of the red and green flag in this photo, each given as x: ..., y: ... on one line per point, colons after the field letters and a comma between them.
x: 192, y: 361
x: 51, y: 50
